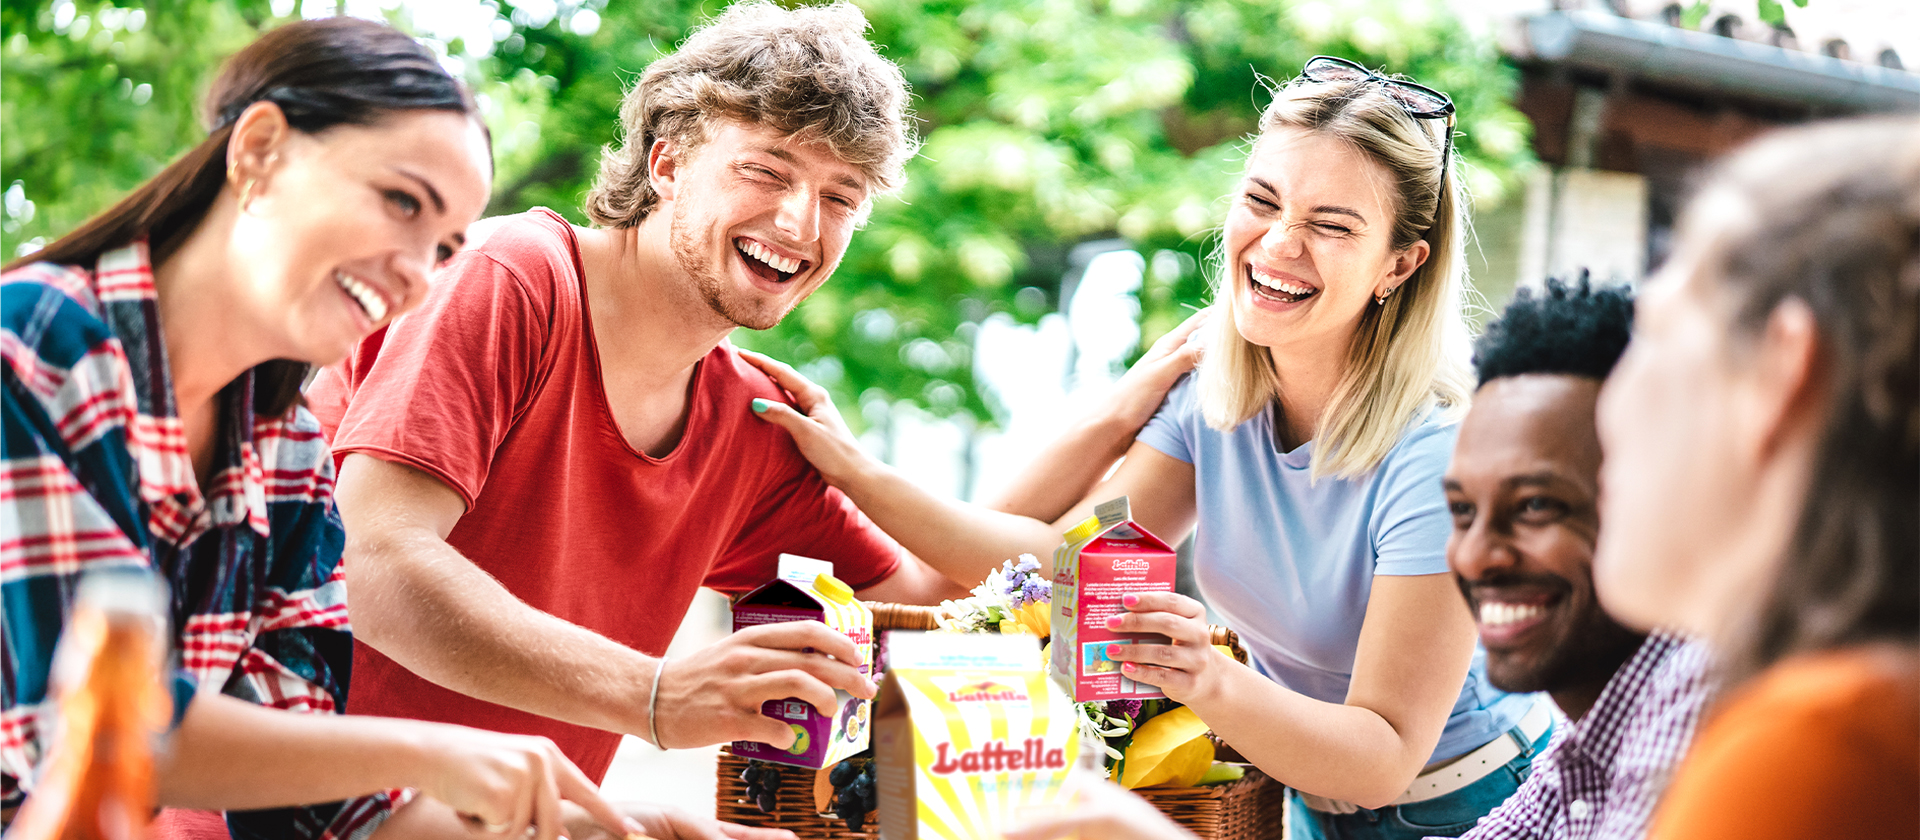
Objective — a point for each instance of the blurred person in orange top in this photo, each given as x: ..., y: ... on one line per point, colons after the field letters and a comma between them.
x: 1762, y: 480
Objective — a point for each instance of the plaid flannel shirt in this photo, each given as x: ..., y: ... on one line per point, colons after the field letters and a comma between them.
x: 1602, y: 776
x: 95, y: 473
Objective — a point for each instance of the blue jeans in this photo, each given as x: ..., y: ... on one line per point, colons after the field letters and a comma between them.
x: 1445, y: 816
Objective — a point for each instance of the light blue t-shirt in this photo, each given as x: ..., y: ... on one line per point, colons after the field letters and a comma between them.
x: 1289, y: 563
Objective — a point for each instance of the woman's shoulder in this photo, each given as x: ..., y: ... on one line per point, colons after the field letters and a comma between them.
x: 1875, y: 688
x: 1845, y: 711
x: 1179, y: 412
x: 1426, y: 445
x: 294, y: 453
x: 1185, y: 392
x: 50, y: 300
x: 57, y: 342
x: 1825, y: 727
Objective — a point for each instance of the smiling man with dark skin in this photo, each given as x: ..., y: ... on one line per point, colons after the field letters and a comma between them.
x: 1523, y: 489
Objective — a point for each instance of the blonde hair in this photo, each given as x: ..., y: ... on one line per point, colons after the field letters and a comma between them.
x: 1408, y: 355
x: 808, y: 73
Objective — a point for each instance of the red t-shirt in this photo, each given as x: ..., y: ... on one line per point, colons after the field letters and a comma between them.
x: 494, y: 388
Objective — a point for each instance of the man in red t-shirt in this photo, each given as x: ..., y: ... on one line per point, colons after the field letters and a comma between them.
x: 543, y: 464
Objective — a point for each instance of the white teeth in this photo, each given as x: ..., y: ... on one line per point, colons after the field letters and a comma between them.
x: 1280, y: 285
x: 1496, y: 614
x: 369, y: 300
x: 759, y: 252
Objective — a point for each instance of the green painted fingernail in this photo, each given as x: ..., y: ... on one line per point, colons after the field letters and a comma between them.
x: 760, y: 406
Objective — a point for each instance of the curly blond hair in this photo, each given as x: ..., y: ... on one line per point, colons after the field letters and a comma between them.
x: 808, y: 73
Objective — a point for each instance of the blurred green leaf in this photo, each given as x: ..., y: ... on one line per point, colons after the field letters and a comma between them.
x: 1694, y: 14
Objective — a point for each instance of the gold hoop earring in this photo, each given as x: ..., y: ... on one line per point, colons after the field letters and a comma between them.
x: 246, y: 194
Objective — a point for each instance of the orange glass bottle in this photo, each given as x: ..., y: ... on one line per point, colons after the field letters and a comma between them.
x: 96, y: 781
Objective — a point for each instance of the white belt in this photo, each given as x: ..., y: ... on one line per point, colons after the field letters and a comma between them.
x: 1458, y: 773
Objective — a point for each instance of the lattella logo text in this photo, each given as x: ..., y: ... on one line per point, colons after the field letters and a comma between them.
x: 998, y: 757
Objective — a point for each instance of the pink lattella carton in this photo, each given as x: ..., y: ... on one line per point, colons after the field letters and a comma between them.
x: 1104, y: 558
x: 806, y: 590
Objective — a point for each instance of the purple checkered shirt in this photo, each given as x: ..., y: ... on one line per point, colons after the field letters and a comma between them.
x: 1602, y: 776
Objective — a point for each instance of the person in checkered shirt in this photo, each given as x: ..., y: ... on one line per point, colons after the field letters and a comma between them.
x: 1523, y: 489
x: 152, y: 419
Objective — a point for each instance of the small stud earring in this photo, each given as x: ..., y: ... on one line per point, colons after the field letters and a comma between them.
x: 1382, y: 299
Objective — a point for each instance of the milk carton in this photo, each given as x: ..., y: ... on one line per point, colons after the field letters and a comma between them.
x: 967, y: 731
x: 1105, y: 557
x: 807, y: 590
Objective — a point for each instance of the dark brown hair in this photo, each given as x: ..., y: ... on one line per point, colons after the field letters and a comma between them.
x: 808, y: 73
x: 321, y: 73
x: 1833, y: 220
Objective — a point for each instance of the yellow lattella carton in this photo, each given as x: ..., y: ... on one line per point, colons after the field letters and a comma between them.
x: 968, y: 731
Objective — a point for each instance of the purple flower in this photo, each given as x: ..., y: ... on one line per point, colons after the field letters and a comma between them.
x: 1027, y: 564
x: 1123, y: 708
x: 1036, y: 589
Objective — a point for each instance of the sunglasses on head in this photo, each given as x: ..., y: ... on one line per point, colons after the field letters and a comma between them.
x: 1419, y: 101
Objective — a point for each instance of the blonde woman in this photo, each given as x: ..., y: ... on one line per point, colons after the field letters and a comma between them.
x: 1306, y: 456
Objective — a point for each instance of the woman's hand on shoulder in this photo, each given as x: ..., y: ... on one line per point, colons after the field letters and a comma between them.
x: 1188, y: 669
x: 1138, y: 394
x: 813, y: 421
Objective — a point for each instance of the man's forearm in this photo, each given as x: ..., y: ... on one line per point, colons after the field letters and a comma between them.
x: 419, y: 602
x: 1063, y: 472
x: 962, y: 541
x: 1330, y: 749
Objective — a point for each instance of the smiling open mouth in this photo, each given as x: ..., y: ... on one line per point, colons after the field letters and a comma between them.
x: 1499, y: 614
x: 765, y: 263
x: 1275, y: 289
x: 370, y: 301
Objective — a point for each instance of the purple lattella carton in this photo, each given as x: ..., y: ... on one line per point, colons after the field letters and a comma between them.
x: 1104, y: 558
x: 806, y: 590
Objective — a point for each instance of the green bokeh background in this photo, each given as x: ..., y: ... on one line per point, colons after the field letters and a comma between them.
x: 1047, y: 123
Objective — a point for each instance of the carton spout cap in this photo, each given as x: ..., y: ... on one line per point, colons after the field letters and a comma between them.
x: 833, y: 588
x: 1105, y: 515
x: 1087, y: 528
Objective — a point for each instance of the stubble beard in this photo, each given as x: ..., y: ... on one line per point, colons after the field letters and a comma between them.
x: 709, y: 281
x: 1591, y: 646
x: 1593, y: 649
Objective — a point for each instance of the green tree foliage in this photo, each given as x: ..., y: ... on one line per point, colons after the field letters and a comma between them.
x: 95, y: 99
x: 1047, y: 123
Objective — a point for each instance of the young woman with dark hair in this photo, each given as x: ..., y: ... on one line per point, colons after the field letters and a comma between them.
x: 153, y: 361
x: 1762, y: 479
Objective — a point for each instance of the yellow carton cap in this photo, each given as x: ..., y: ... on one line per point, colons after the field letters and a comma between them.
x: 833, y: 588
x: 1087, y: 528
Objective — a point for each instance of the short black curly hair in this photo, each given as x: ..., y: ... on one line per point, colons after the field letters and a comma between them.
x: 1567, y: 327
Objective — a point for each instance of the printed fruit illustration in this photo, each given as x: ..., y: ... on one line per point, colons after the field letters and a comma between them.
x: 853, y: 720
x: 801, y: 742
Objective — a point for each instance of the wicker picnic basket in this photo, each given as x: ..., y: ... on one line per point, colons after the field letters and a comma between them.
x: 1247, y: 809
